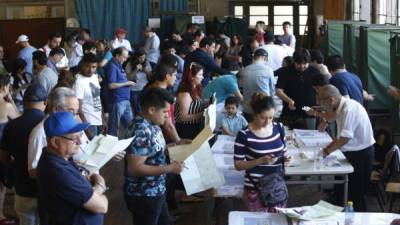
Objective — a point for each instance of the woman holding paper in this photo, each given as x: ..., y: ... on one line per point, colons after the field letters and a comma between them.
x: 189, y: 107
x: 259, y: 149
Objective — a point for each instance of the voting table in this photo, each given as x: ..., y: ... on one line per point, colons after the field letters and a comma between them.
x: 256, y: 218
x: 302, y: 164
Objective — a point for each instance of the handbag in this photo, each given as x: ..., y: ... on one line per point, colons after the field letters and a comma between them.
x: 272, y: 188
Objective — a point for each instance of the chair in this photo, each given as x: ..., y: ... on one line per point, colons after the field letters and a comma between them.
x: 391, y: 174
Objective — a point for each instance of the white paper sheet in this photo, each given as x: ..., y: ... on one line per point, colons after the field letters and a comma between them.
x: 201, y: 172
x: 320, y: 211
x: 256, y: 218
x: 224, y: 144
x: 311, y: 138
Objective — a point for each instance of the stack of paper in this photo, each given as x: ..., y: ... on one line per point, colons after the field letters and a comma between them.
x: 311, y: 138
x: 101, y: 149
x: 322, y: 211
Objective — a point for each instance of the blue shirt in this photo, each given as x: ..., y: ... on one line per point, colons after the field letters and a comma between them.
x: 224, y: 86
x: 234, y: 123
x: 201, y: 57
x: 26, y: 55
x: 248, y: 147
x: 63, y: 191
x: 21, y: 127
x: 348, y: 84
x: 116, y: 74
x: 52, y: 66
x: 149, y: 142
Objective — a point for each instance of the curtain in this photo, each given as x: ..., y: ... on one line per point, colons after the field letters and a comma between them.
x: 103, y: 17
x: 168, y: 21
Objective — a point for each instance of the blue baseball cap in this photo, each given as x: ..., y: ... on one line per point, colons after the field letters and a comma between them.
x: 61, y: 123
x: 35, y: 93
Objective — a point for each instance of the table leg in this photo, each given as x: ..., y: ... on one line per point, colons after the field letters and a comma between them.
x: 346, y: 189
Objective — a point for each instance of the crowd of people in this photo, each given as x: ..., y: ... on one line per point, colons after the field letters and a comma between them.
x: 60, y: 96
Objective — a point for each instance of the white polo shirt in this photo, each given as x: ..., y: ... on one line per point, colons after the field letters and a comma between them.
x: 353, y: 122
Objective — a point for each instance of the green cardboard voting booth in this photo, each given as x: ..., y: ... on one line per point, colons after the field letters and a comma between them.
x: 395, y: 77
x: 374, y: 63
x: 350, y: 45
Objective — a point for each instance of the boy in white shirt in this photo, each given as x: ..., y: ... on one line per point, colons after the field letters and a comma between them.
x: 87, y: 89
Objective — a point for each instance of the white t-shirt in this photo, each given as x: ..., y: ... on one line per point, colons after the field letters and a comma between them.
x: 38, y: 141
x: 123, y: 43
x: 276, y: 53
x: 88, y: 90
x: 353, y: 122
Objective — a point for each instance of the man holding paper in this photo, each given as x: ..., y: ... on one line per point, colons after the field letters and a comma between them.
x: 144, y: 187
x: 354, y: 138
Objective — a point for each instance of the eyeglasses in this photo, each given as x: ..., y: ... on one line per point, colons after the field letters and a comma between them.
x: 73, y: 140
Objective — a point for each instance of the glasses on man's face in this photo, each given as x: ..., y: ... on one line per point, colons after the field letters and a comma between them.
x: 74, y: 140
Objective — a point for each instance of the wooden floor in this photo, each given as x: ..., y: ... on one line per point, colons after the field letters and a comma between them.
x: 199, y: 213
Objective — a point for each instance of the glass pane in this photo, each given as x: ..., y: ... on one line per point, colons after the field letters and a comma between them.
x: 258, y: 10
x: 254, y: 19
x: 278, y: 30
x: 303, y: 20
x: 278, y: 20
x: 238, y: 10
x: 302, y: 30
x: 240, y: 17
x: 283, y: 10
x: 382, y: 19
x: 303, y: 10
x: 382, y: 7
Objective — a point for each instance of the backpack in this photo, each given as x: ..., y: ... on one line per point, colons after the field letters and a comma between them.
x: 272, y: 188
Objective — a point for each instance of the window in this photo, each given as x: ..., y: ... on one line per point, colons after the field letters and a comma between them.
x: 382, y: 12
x: 282, y: 14
x: 238, y: 11
x: 356, y: 9
x: 303, y: 17
x: 258, y: 13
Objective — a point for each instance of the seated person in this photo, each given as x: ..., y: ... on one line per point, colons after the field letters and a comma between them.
x: 233, y: 121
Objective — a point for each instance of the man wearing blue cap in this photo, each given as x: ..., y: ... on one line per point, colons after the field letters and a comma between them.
x: 25, y: 199
x: 64, y: 193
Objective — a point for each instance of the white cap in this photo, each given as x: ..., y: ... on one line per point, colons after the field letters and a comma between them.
x: 22, y: 38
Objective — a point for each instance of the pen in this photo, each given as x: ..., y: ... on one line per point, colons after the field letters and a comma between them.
x: 185, y: 167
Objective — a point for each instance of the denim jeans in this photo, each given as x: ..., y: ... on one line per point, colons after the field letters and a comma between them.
x: 27, y: 210
x: 148, y: 210
x: 121, y: 111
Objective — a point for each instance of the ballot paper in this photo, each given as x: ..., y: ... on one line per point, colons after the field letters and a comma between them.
x: 224, y: 161
x: 101, y: 149
x: 200, y: 172
x: 233, y: 186
x: 224, y: 144
x: 322, y: 211
x: 256, y: 218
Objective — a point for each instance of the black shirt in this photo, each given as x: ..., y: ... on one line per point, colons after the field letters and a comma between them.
x: 297, y: 85
x: 15, y: 141
x: 247, y: 55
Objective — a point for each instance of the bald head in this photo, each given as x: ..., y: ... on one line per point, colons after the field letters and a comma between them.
x: 330, y: 91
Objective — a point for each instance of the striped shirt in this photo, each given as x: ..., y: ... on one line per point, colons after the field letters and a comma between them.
x: 248, y: 147
x: 196, y: 106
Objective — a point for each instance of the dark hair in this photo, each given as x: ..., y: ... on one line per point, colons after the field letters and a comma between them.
x: 261, y: 102
x: 206, y: 41
x: 286, y: 23
x: 72, y: 36
x: 88, y: 45
x: 162, y: 69
x: 316, y: 55
x: 184, y: 50
x: 334, y: 62
x: 176, y: 32
x: 40, y: 57
x: 66, y: 79
x: 260, y: 22
x: 232, y: 100
x: 238, y: 37
x: 155, y: 97
x: 4, y: 80
x: 319, y: 80
x: 301, y: 56
x: 54, y: 35
x: 167, y: 45
x: 57, y: 51
x: 85, y: 30
x: 18, y: 64
x: 198, y: 33
x: 88, y: 58
x: 169, y: 59
x: 289, y: 60
x: 105, y: 43
x: 118, y: 51
x: 187, y: 80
